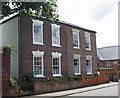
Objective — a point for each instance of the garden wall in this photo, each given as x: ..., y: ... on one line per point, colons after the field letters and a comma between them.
x: 57, y: 86
x: 5, y: 88
x: 111, y: 73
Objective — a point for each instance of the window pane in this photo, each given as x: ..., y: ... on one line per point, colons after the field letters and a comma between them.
x: 55, y: 69
x: 55, y: 36
x: 35, y: 58
x: 37, y: 70
x: 38, y: 33
x: 87, y: 42
x: 88, y: 69
x: 75, y: 39
x: 88, y: 62
x: 108, y: 64
x: 37, y: 66
x: 76, y: 66
x: 89, y: 66
x: 56, y: 65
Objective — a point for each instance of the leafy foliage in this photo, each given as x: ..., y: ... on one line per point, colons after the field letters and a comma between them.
x: 44, y: 81
x: 26, y: 86
x: 27, y: 82
x: 63, y: 80
x: 13, y: 82
x: 70, y: 79
x: 46, y: 10
x: 119, y: 74
x: 0, y: 49
x: 7, y: 48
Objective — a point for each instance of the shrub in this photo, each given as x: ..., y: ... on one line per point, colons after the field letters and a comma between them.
x: 13, y: 82
x: 26, y: 86
x: 27, y: 82
x: 70, y: 79
x: 44, y: 81
x: 7, y: 48
x: 60, y: 80
x: 119, y: 74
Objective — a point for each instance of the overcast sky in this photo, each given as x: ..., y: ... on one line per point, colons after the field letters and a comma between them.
x: 97, y: 15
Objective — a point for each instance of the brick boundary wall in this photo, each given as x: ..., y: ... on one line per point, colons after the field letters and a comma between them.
x: 58, y: 86
x: 6, y: 89
x: 111, y: 73
x: 5, y: 73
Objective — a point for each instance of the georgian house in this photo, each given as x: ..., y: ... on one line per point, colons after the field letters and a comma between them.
x: 45, y: 49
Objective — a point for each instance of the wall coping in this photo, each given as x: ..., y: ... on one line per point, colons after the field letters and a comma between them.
x: 106, y: 68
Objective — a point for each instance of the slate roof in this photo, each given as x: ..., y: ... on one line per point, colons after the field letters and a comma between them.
x: 60, y: 21
x: 109, y: 53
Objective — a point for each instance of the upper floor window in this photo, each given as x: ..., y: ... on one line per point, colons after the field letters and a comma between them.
x: 56, y: 64
x: 75, y: 39
x: 38, y: 32
x: 38, y: 63
x: 87, y: 42
x: 55, y: 35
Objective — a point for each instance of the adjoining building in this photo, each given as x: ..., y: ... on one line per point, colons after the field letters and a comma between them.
x: 109, y: 61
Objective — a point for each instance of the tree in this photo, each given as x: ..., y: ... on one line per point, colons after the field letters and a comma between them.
x: 46, y: 10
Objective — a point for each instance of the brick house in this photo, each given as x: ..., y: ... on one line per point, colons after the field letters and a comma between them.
x: 39, y: 46
x: 109, y: 61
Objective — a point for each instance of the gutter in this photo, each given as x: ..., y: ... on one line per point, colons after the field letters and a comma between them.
x: 19, y: 54
x: 60, y: 22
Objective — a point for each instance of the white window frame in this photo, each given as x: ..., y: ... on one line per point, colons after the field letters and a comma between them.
x: 57, y: 55
x: 38, y: 54
x: 90, y: 64
x: 79, y: 67
x: 41, y: 24
x: 89, y: 42
x: 76, y: 33
x: 108, y: 64
x: 58, y: 27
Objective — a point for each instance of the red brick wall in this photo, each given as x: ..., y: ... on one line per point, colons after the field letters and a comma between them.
x: 66, y: 40
x: 5, y: 73
x: 111, y: 73
x: 57, y: 86
x: 5, y: 88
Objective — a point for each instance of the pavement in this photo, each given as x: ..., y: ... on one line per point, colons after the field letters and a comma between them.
x: 75, y: 91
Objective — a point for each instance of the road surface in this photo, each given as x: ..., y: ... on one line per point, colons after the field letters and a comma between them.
x: 108, y: 91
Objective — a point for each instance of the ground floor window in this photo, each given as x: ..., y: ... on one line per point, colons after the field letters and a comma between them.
x: 89, y: 65
x: 77, y: 66
x: 108, y: 64
x: 56, y: 64
x: 38, y: 63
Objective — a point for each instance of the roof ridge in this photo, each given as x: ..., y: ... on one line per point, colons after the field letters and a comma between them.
x: 109, y: 46
x: 60, y: 21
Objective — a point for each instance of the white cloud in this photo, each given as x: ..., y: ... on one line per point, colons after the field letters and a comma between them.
x: 103, y: 8
x: 97, y: 15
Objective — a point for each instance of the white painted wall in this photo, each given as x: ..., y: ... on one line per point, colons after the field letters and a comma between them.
x: 10, y: 37
x: 0, y: 36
